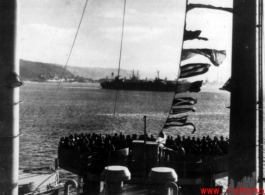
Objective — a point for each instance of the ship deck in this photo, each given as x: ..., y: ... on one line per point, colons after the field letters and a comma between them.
x: 193, y: 171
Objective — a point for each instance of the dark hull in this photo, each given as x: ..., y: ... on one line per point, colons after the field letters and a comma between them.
x: 139, y: 85
x: 181, y: 87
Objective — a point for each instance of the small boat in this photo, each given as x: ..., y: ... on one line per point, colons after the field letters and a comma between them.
x: 39, y: 181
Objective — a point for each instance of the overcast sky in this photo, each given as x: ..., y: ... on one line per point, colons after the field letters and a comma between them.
x: 152, y: 34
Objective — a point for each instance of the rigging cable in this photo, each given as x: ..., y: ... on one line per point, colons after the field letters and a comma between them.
x: 260, y: 86
x: 77, y: 31
x: 116, y: 95
x: 124, y: 9
x: 66, y: 64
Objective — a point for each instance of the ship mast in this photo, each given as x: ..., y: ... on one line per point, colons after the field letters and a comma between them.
x: 9, y: 99
x: 242, y: 160
x: 260, y: 87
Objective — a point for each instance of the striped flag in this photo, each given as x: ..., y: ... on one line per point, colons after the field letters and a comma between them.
x: 183, y: 115
x: 184, y: 101
x: 227, y: 86
x: 188, y: 124
x: 182, y: 110
x: 192, y: 6
x: 188, y: 87
x: 190, y: 35
x: 190, y: 70
x: 215, y: 56
x: 195, y: 86
x: 182, y: 119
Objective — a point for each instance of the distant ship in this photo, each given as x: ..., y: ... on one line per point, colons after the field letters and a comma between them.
x: 48, y: 78
x: 134, y: 83
x: 141, y: 85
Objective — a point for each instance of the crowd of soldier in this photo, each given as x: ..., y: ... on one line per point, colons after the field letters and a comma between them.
x: 99, y: 143
x: 205, y: 145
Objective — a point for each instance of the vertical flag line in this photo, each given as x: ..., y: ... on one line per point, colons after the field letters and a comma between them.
x: 117, y: 87
x: 176, y: 88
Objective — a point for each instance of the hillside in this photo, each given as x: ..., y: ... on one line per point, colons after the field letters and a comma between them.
x: 31, y: 70
x: 96, y: 73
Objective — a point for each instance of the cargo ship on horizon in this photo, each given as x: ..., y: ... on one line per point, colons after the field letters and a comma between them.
x: 135, y: 83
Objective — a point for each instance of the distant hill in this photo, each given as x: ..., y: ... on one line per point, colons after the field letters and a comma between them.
x: 96, y: 73
x: 31, y: 70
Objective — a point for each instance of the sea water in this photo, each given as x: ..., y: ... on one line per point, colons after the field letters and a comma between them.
x: 51, y: 110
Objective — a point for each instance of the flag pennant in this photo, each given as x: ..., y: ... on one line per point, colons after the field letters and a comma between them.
x: 195, y: 86
x: 191, y: 35
x: 172, y: 125
x: 182, y: 110
x: 184, y: 101
x: 227, y: 86
x: 179, y: 120
x: 183, y: 115
x: 191, y: 70
x: 215, y: 56
x: 192, y: 6
x: 183, y: 87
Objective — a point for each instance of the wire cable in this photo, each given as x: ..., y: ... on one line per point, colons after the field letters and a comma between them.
x: 66, y: 64
x: 116, y: 95
x: 124, y: 8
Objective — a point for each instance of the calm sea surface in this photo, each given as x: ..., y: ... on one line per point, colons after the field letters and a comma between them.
x: 47, y: 115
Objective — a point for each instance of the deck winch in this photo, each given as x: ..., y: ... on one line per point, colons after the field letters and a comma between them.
x: 160, y: 176
x: 123, y: 161
x: 114, y: 177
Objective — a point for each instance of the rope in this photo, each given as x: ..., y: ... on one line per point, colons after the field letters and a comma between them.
x: 4, y: 137
x: 120, y: 56
x: 116, y: 95
x: 66, y: 64
x: 260, y: 91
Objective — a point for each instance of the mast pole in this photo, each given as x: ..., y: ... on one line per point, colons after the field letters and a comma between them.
x: 260, y: 86
x: 242, y: 149
x: 144, y: 146
x: 9, y: 98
